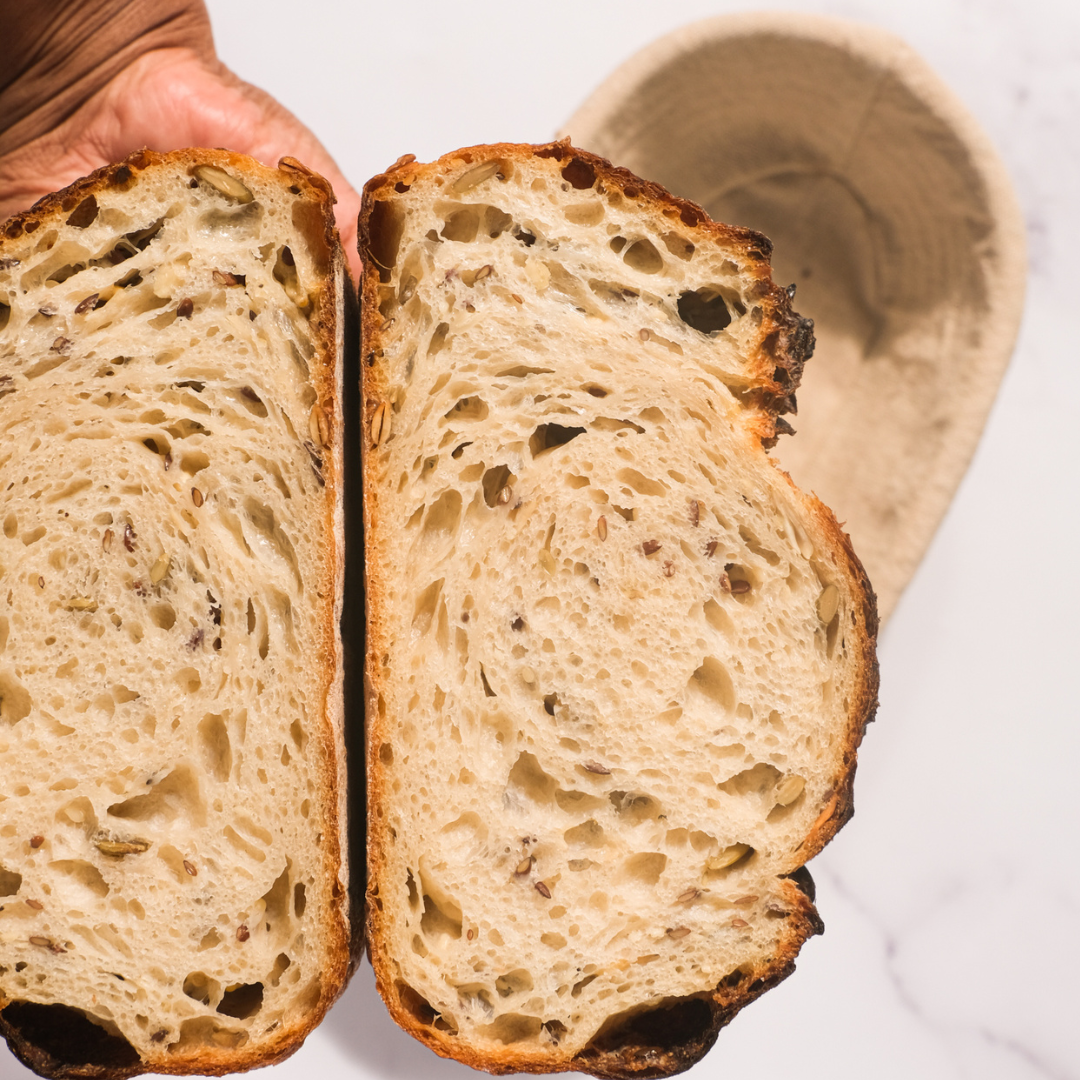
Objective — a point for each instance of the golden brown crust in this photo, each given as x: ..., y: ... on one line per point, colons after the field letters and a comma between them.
x: 669, y: 1039
x: 332, y: 326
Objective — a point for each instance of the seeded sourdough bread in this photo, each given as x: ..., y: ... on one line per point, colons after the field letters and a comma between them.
x: 173, y: 874
x: 618, y: 665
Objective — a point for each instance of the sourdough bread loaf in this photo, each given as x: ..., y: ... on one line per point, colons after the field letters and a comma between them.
x: 173, y: 876
x: 618, y: 665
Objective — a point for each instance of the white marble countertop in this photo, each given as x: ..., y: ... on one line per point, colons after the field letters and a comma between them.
x: 952, y: 900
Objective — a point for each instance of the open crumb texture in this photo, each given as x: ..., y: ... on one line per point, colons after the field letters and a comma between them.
x: 172, y: 876
x: 618, y: 665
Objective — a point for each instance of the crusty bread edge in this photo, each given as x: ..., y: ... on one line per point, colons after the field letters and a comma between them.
x: 785, y: 343
x: 330, y: 326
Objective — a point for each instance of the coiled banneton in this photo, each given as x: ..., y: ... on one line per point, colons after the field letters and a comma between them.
x: 173, y: 876
x: 618, y: 665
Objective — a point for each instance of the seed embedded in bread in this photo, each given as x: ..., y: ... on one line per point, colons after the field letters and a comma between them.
x: 223, y: 182
x: 643, y: 714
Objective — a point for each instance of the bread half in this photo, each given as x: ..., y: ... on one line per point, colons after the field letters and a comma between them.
x: 173, y: 876
x: 618, y: 665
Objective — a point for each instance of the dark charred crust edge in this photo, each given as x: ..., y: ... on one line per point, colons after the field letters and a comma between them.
x: 203, y: 1062
x: 643, y: 1059
x: 724, y: 1004
x: 40, y: 1061
x: 348, y: 939
x: 787, y: 342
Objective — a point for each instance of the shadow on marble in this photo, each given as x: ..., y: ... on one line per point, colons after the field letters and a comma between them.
x: 361, y: 1027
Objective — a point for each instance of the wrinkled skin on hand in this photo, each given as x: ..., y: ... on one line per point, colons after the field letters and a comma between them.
x: 168, y: 99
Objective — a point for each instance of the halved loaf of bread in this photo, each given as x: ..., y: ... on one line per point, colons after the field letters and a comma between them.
x: 618, y: 665
x: 173, y: 877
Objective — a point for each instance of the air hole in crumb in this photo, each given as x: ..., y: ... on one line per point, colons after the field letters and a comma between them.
x: 201, y: 988
x: 177, y: 795
x: 385, y: 227
x: 718, y: 618
x: 529, y: 778
x: 518, y: 981
x: 580, y: 174
x: 585, y: 213
x: 495, y: 479
x: 635, y: 807
x: 441, y: 918
x: 188, y: 679
x: 549, y: 436
x: 759, y: 780
x: 513, y: 1028
x: 216, y: 747
x: 10, y: 882
x: 645, y: 867
x: 713, y: 682
x: 683, y: 1023
x: 678, y: 245
x: 82, y: 873
x: 202, y: 1032
x: 242, y: 1001
x: 462, y: 225
x: 281, y: 964
x: 444, y: 515
x: 468, y: 408
x: 419, y: 1008
x: 163, y: 616
x: 704, y: 310
x: 276, y: 898
x: 643, y: 257
x: 424, y: 608
x: 15, y: 700
x: 299, y: 736
x: 641, y: 483
x: 588, y: 834
x: 252, y: 402
x: 84, y: 214
x: 193, y: 462
x: 438, y: 339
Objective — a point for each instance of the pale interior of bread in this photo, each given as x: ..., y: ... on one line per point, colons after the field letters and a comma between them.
x: 613, y: 685
x: 163, y: 537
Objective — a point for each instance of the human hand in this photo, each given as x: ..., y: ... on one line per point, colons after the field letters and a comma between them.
x: 166, y: 99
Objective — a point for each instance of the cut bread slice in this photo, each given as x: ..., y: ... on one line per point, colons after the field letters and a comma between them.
x: 173, y: 876
x: 618, y: 665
